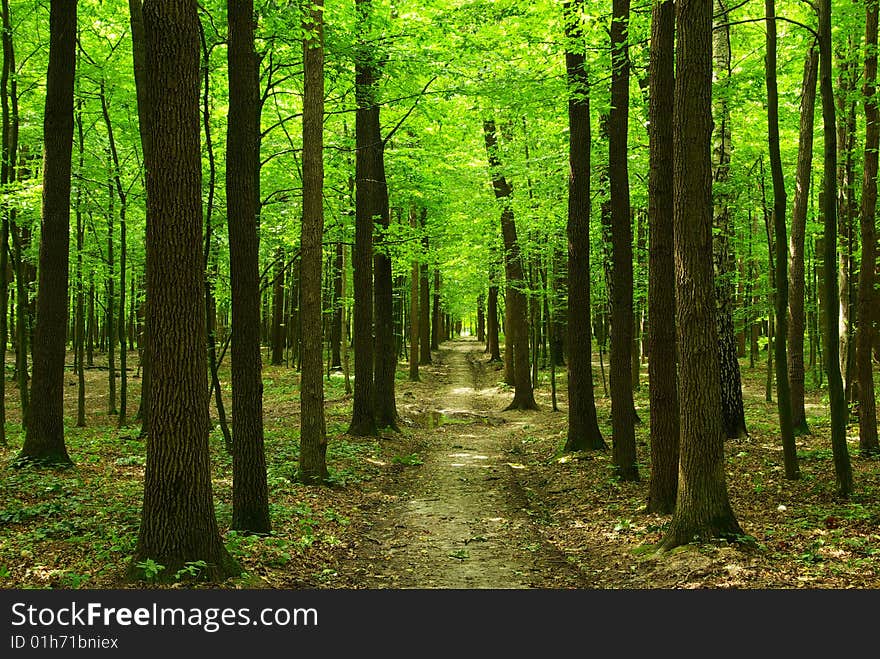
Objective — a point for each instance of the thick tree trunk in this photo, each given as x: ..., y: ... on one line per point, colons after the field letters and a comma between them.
x: 796, y: 319
x: 250, y: 497
x: 583, y: 423
x: 702, y: 509
x: 363, y: 421
x: 622, y: 405
x: 178, y: 523
x: 831, y: 299
x: 44, y: 439
x: 783, y: 396
x: 868, y: 444
x: 313, y: 432
x: 662, y: 380
x: 517, y: 332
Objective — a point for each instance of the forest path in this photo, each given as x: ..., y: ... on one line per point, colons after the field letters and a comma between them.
x: 459, y: 520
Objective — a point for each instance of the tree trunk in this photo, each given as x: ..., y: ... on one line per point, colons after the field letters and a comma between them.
x: 178, y: 523
x: 796, y: 321
x: 44, y: 439
x: 414, y: 312
x: 622, y: 406
x: 278, y: 324
x: 583, y: 424
x: 868, y: 444
x: 8, y: 92
x: 783, y: 396
x: 313, y: 434
x: 250, y: 497
x: 492, y: 324
x: 79, y: 330
x: 139, y: 65
x: 662, y: 381
x: 424, y: 297
x: 837, y: 399
x: 436, y: 317
x: 363, y: 420
x: 336, y: 319
x: 517, y: 332
x: 731, y: 384
x: 702, y: 509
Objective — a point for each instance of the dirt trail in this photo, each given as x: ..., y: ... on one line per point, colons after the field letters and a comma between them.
x: 458, y: 520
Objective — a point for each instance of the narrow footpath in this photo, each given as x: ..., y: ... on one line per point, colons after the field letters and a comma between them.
x: 458, y: 520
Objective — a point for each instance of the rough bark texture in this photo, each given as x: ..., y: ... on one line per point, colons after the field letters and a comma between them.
x: 583, y: 423
x: 178, y: 523
x: 517, y: 332
x: 796, y: 317
x: 703, y: 509
x: 731, y: 383
x: 831, y: 299
x: 783, y: 396
x: 313, y: 432
x: 250, y: 495
x: 44, y: 439
x: 662, y: 379
x: 622, y: 405
x: 363, y: 421
x: 868, y: 443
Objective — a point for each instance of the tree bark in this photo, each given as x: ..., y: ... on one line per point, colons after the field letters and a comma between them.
x: 517, y: 332
x: 313, y: 433
x: 583, y: 424
x: 868, y: 444
x: 363, y: 420
x: 662, y: 379
x: 796, y: 319
x: 250, y: 497
x: 731, y: 382
x: 702, y: 509
x: 622, y: 405
x: 783, y: 396
x: 44, y: 438
x: 178, y: 523
x: 831, y: 300
x: 414, y: 312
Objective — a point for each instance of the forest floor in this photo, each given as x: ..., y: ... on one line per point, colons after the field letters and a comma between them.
x: 465, y: 496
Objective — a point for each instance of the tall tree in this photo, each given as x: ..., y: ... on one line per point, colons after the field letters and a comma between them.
x: 414, y: 311
x: 868, y: 443
x: 662, y: 380
x: 783, y: 396
x: 702, y: 509
x: 622, y: 405
x: 250, y: 495
x: 313, y: 433
x: 8, y: 100
x: 44, y: 439
x: 831, y: 299
x: 178, y: 524
x: 803, y: 179
x: 583, y: 423
x: 424, y: 299
x: 731, y: 384
x: 517, y: 330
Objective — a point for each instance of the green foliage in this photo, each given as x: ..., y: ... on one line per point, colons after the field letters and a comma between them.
x: 149, y: 568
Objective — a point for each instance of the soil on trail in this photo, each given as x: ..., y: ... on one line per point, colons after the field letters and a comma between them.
x: 459, y: 520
